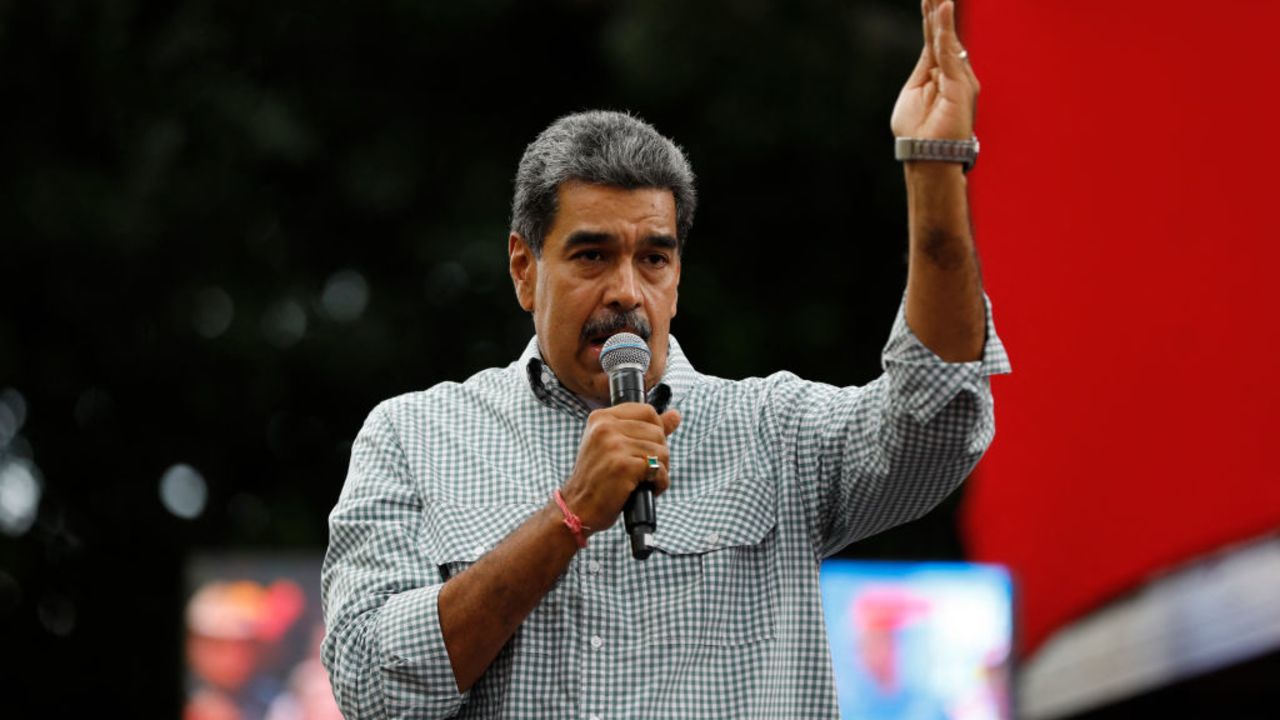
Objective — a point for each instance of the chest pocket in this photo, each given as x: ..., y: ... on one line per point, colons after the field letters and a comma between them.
x: 712, y: 579
x: 454, y: 537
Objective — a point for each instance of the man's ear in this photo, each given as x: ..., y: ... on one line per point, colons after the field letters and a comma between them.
x: 524, y: 270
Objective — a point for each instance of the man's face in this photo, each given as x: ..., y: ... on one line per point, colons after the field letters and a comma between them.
x: 609, y: 264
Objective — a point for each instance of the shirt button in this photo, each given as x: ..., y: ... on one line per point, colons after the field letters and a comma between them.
x: 713, y: 538
x: 478, y: 551
x: 593, y: 567
x: 597, y: 641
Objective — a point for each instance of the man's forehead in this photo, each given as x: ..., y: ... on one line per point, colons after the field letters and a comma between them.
x: 603, y: 208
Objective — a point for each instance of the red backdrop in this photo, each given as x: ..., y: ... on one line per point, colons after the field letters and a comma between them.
x: 1125, y: 207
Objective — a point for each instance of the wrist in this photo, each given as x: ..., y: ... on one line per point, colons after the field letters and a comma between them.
x: 553, y: 530
x: 932, y: 172
x: 937, y: 150
x: 569, y: 520
x: 936, y: 192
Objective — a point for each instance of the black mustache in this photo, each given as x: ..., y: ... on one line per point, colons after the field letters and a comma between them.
x: 616, y: 322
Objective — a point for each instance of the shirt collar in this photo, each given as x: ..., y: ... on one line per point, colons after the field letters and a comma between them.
x: 678, y: 377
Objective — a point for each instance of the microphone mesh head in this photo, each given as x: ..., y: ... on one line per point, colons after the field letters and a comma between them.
x: 624, y: 349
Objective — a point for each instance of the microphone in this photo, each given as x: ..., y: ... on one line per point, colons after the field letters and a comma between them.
x: 625, y: 358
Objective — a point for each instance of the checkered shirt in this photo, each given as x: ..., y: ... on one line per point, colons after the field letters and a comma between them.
x: 724, y: 620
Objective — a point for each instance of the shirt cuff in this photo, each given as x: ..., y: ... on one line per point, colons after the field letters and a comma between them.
x: 926, y: 382
x: 416, y: 673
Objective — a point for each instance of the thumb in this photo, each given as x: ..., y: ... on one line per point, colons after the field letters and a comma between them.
x: 670, y: 421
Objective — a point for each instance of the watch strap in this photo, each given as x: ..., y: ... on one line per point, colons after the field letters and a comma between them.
x: 960, y: 151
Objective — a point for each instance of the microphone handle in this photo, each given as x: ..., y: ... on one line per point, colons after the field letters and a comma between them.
x: 626, y: 384
x: 641, y: 520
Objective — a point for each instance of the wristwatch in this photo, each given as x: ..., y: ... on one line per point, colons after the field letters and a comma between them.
x: 961, y: 151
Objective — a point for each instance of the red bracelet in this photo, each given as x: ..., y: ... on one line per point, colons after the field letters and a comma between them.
x: 571, y: 521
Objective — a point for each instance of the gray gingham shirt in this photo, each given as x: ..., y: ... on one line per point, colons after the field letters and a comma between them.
x: 724, y: 620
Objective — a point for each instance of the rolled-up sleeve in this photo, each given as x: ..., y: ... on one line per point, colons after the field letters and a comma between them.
x: 383, y: 647
x: 923, y: 383
x: 867, y: 458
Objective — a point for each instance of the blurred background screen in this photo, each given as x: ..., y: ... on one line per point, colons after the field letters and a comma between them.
x: 253, y: 631
x: 920, y: 640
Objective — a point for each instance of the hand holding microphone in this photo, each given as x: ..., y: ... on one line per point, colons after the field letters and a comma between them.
x: 613, y: 468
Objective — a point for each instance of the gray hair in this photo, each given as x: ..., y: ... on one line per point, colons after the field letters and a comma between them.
x: 603, y: 148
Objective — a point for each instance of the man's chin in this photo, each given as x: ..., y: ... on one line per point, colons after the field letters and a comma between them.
x: 597, y: 393
x: 589, y: 382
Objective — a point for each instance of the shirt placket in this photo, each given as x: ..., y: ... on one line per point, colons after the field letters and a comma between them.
x: 601, y: 635
x: 589, y: 634
x: 598, y: 635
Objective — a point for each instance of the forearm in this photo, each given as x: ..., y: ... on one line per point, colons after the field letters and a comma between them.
x: 944, y: 305
x: 481, y: 608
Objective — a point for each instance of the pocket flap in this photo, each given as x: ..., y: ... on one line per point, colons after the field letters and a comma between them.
x: 463, y: 533
x: 738, y: 513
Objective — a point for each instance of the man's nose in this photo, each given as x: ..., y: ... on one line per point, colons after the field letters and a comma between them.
x: 623, y: 292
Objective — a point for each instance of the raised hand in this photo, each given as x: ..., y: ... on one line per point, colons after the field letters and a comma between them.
x: 940, y: 98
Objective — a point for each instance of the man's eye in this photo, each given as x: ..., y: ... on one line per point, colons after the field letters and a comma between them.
x: 657, y: 260
x: 590, y: 255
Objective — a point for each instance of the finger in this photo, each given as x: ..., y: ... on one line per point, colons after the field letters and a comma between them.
x: 670, y: 421
x: 920, y: 74
x: 626, y: 413
x: 640, y: 431
x: 946, y: 45
x: 630, y: 411
x: 630, y: 460
x: 954, y: 60
x: 969, y: 74
x: 931, y: 87
x: 930, y: 9
x: 660, y: 478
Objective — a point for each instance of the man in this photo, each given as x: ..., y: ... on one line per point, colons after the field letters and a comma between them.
x: 476, y: 567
